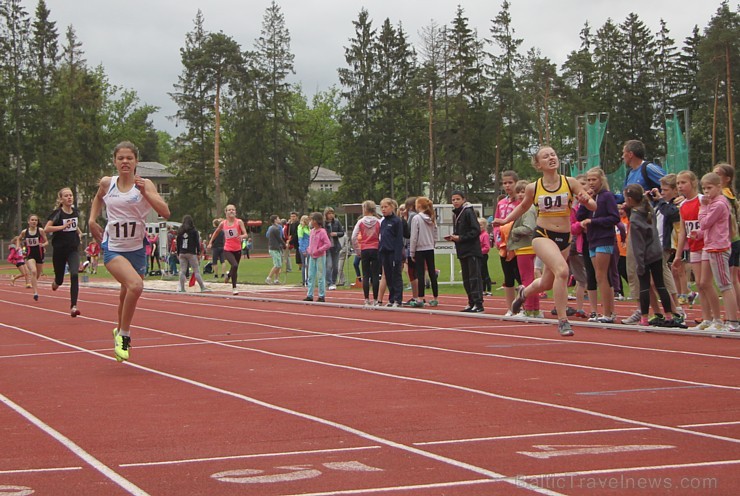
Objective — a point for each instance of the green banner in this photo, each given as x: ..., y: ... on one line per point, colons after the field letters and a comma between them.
x: 677, y: 156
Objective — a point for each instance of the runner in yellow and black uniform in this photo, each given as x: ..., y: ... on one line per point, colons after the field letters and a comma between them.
x: 553, y: 196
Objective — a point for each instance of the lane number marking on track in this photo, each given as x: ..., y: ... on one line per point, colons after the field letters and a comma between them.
x: 554, y: 450
x: 287, y: 473
x: 15, y: 491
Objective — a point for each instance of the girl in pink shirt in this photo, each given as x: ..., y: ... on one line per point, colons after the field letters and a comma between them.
x: 318, y: 245
x: 714, y: 229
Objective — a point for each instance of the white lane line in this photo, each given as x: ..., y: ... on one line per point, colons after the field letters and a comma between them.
x: 391, y: 489
x: 717, y: 463
x: 417, y: 346
x: 462, y: 352
x: 711, y: 424
x: 307, y: 416
x: 524, y: 436
x: 418, y: 380
x: 108, y: 472
x: 39, y: 470
x: 465, y: 329
x: 240, y: 457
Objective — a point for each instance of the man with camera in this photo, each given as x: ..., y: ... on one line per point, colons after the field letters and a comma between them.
x: 647, y: 175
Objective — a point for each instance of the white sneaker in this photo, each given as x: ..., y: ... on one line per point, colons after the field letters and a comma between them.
x: 268, y: 281
x: 634, y: 318
x: 702, y: 326
x: 368, y: 303
x: 332, y: 287
x: 508, y: 314
x: 235, y: 291
x: 717, y: 326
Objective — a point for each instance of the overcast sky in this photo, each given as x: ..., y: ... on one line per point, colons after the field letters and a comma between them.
x: 138, y: 41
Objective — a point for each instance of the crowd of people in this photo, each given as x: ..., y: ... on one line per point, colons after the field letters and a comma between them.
x: 657, y: 233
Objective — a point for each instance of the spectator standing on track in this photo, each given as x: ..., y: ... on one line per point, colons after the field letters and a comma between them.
x: 687, y: 185
x: 234, y: 232
x: 726, y: 172
x: 153, y: 252
x: 188, y: 250
x: 128, y: 198
x: 600, y: 226
x: 293, y: 238
x: 63, y: 224
x: 519, y: 244
x: 466, y: 235
x: 408, y: 216
x: 647, y: 175
x: 421, y: 246
x: 35, y: 240
x: 318, y: 246
x: 668, y: 219
x: 504, y: 207
x: 335, y: 231
x: 576, y: 256
x: 715, y: 230
x: 365, y: 240
x: 390, y: 250
x: 485, y: 247
x: 648, y: 253
x: 217, y: 253
x: 275, y: 247
x: 304, y: 236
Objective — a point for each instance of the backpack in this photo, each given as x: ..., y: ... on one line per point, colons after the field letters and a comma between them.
x: 648, y: 182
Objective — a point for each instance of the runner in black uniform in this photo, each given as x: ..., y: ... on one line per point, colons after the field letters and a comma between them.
x: 63, y: 222
x: 35, y: 240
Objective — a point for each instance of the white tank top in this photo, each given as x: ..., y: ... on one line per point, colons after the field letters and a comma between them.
x: 126, y: 218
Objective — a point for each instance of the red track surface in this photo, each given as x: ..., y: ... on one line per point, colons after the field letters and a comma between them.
x: 237, y: 396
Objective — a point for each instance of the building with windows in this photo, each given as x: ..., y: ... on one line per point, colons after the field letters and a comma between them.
x: 160, y: 177
x: 323, y: 179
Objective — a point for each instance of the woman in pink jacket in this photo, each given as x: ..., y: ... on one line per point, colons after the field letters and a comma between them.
x: 318, y: 245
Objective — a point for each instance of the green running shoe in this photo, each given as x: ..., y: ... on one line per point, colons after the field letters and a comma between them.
x: 121, y: 346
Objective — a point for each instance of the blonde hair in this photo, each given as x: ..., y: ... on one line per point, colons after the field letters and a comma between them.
x: 521, y: 185
x: 368, y: 207
x: 304, y: 220
x: 669, y: 181
x: 59, y: 196
x: 690, y: 175
x: 483, y: 223
x: 711, y: 178
x: 602, y: 177
x: 536, y: 155
x: 728, y: 171
x: 391, y: 202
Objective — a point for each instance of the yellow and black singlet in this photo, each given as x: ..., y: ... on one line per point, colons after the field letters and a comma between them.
x: 553, y: 203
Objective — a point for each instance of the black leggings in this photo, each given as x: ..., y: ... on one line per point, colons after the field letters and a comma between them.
x: 370, y: 272
x: 422, y: 259
x: 470, y: 267
x: 656, y: 270
x: 485, y: 275
x: 233, y: 257
x: 63, y: 256
x: 511, y: 272
x: 622, y: 266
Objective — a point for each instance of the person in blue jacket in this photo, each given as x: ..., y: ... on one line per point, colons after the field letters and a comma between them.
x: 390, y: 251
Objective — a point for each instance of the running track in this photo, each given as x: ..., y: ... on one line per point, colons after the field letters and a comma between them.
x: 269, y: 396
